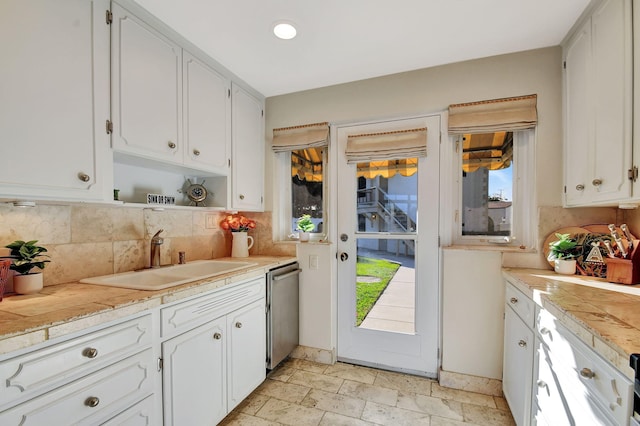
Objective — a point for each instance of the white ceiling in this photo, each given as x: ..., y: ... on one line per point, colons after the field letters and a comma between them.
x: 347, y: 40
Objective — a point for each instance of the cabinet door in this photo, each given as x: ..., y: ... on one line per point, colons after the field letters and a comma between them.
x: 146, y: 90
x: 578, y: 126
x: 598, y: 107
x: 247, y: 351
x: 247, y: 151
x: 518, y: 366
x: 612, y: 86
x: 54, y: 85
x: 194, y: 376
x: 207, y: 117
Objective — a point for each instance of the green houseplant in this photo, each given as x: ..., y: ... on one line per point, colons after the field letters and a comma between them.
x: 305, y: 225
x: 27, y: 255
x: 563, y: 252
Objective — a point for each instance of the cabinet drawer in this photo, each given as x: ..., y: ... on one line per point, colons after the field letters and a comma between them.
x: 141, y: 414
x: 558, y: 401
x: 184, y: 316
x: 521, y: 304
x: 110, y: 390
x: 28, y: 375
x: 585, y: 372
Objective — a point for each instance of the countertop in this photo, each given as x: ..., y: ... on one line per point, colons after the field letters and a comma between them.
x: 604, y: 315
x: 58, y: 310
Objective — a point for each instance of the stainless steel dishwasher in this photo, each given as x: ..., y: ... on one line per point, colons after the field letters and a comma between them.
x: 282, y: 312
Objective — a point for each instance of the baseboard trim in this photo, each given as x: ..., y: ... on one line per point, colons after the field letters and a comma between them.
x: 467, y: 382
x: 323, y: 356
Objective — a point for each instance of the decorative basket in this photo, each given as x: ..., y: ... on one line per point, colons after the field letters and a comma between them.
x: 4, y: 275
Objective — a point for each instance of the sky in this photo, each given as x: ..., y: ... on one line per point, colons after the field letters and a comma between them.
x: 501, y: 180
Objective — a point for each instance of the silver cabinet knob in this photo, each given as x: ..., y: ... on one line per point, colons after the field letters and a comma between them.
x: 542, y: 384
x: 92, y: 401
x: 172, y: 145
x: 238, y: 324
x: 587, y: 373
x: 544, y: 330
x: 580, y: 187
x: 217, y: 336
x: 513, y: 300
x: 84, y: 177
x: 241, y: 196
x: 522, y: 343
x: 596, y: 182
x: 90, y: 352
x: 196, y: 152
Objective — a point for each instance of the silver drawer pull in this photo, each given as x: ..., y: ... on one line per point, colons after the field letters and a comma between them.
x: 522, y: 343
x: 196, y: 152
x: 84, y: 177
x: 172, y: 145
x: 92, y: 401
x: 542, y: 384
x: 238, y: 324
x: 90, y: 352
x: 587, y: 373
x: 513, y: 300
x: 580, y: 187
x: 544, y: 330
x: 596, y: 182
x: 217, y: 336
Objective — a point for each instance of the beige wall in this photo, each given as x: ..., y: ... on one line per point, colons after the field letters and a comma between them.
x: 432, y: 90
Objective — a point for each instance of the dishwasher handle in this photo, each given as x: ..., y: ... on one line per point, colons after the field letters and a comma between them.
x: 287, y: 275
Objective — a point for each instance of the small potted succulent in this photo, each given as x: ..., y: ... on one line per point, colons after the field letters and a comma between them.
x: 305, y: 226
x: 25, y: 256
x: 563, y: 252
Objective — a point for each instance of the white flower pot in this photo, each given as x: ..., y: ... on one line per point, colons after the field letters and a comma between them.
x: 27, y: 284
x: 566, y: 267
x: 304, y: 236
x: 241, y: 244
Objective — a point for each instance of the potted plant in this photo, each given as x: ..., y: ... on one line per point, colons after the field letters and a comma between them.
x: 27, y: 255
x: 305, y: 226
x: 563, y: 252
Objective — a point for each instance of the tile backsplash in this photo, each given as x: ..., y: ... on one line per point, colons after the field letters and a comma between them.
x: 90, y: 240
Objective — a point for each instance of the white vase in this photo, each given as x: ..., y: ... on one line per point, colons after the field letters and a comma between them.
x: 27, y: 284
x: 241, y: 244
x: 304, y: 236
x: 566, y: 267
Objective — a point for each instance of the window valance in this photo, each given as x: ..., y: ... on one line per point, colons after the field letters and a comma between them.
x: 387, y: 145
x: 495, y: 115
x: 300, y: 137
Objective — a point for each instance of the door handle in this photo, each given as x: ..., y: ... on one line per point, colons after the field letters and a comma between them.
x: 344, y: 256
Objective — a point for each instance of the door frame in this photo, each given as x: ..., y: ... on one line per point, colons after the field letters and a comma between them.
x: 332, y: 182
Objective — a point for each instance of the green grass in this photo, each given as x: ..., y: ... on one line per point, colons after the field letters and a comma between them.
x: 367, y: 294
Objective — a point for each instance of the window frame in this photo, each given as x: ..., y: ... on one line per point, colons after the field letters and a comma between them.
x: 283, y: 217
x: 524, y: 203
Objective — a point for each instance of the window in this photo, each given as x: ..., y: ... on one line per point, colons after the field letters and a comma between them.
x: 301, y: 158
x: 494, y: 197
x: 307, y: 189
x: 495, y: 190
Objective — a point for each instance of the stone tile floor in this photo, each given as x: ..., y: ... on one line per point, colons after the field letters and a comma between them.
x: 301, y: 392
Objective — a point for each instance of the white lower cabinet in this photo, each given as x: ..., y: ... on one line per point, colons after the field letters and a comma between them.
x: 213, y: 366
x: 88, y: 379
x: 518, y: 354
x: 551, y: 377
x: 208, y: 350
x: 574, y: 382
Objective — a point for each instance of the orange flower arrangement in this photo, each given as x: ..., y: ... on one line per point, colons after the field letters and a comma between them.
x: 237, y: 223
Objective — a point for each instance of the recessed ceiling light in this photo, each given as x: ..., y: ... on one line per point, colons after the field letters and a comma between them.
x: 284, y: 30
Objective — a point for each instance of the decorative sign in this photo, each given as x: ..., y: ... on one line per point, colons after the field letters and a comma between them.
x: 161, y: 199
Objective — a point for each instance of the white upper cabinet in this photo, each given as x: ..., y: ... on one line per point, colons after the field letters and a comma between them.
x: 207, y: 116
x: 146, y: 90
x: 54, y: 102
x: 248, y: 151
x: 598, y: 107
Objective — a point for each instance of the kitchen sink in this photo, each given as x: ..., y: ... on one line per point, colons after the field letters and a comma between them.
x: 168, y: 276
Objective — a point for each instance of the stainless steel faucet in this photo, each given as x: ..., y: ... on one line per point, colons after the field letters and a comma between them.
x: 156, y: 242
